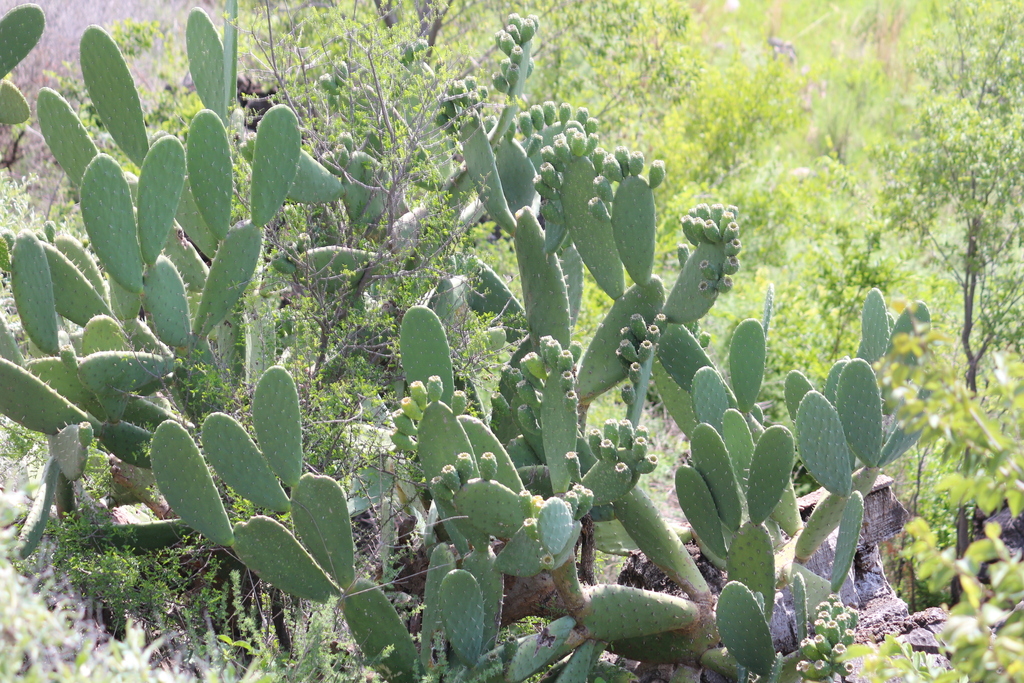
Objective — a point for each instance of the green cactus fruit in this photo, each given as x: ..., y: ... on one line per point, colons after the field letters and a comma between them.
x: 462, y: 611
x: 74, y: 296
x: 442, y: 561
x: 635, y: 224
x: 160, y: 185
x: 230, y: 274
x: 109, y: 217
x: 206, y: 62
x: 609, y: 481
x: 535, y: 651
x: 823, y: 444
x: 185, y: 481
x: 321, y: 517
x: 480, y: 563
x: 682, y: 355
x: 123, y: 304
x: 594, y: 237
x: 8, y: 344
x: 113, y: 92
x: 32, y: 286
x: 193, y: 223
x: 874, y: 328
x: 676, y: 400
x: 208, y: 158
x: 698, y: 505
x: 20, y: 30
x: 277, y: 421
x: 739, y: 443
x: 555, y: 525
x: 39, y: 514
x: 848, y: 539
x: 711, y: 459
x: 751, y: 561
x: 516, y: 172
x: 114, y: 375
x: 187, y: 261
x: 710, y: 397
x: 482, y: 168
x: 616, y: 612
x: 425, y: 351
x: 275, y: 162
x: 601, y: 369
x: 746, y: 362
x: 859, y: 405
x: 484, y: 441
x: 70, y: 447
x: 832, y: 380
x: 33, y: 404
x: 240, y: 464
x: 314, y: 184
x: 166, y: 303
x: 799, y: 590
x: 544, y: 290
x: 103, y: 333
x: 797, y: 386
x: 742, y: 625
x: 770, y: 470
x: 13, y: 106
x: 65, y: 135
x: 273, y: 553
x: 491, y: 507
x: 75, y: 252
x: 521, y: 555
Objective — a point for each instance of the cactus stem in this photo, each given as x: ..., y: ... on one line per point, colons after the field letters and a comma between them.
x: 567, y: 583
x: 636, y: 409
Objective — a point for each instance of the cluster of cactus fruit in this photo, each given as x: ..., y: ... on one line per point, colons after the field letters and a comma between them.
x: 113, y: 328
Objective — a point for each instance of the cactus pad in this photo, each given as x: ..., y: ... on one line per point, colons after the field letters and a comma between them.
x: 206, y: 62
x: 462, y: 610
x: 160, y: 185
x: 240, y: 464
x: 32, y: 404
x: 275, y: 162
x: 32, y: 286
x: 321, y: 517
x: 113, y: 92
x: 65, y: 135
x: 743, y: 628
x: 230, y: 274
x: 751, y: 561
x: 271, y: 551
x: 874, y: 328
x: 699, y: 507
x: 770, y: 470
x: 277, y: 421
x: 859, y: 405
x: 20, y: 30
x: 208, y: 158
x: 635, y: 225
x: 425, y: 351
x: 617, y: 612
x: 544, y: 291
x: 711, y: 459
x: 848, y: 539
x: 797, y: 386
x: 74, y: 296
x: 746, y: 362
x: 823, y: 444
x: 710, y: 397
x: 109, y: 217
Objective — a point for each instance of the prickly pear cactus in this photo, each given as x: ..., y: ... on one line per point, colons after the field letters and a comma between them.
x: 512, y: 486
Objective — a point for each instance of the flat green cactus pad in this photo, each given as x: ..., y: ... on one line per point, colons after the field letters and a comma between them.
x: 832, y: 380
x: 462, y: 611
x: 797, y: 386
x: 743, y: 628
x: 160, y: 186
x: 594, y: 237
x: 559, y: 417
x: 521, y: 555
x: 166, y: 303
x: 536, y: 650
x: 109, y: 216
x: 859, y: 405
x: 711, y: 459
x: 491, y: 507
x: 193, y: 223
x: 187, y: 262
x: 185, y: 481
x: 442, y: 561
x: 516, y: 171
x: 823, y: 444
x: 699, y: 507
x: 624, y: 612
x: 481, y: 165
x: 70, y: 447
x: 230, y: 274
x: 113, y: 92
x: 39, y: 514
x: 746, y: 362
x: 555, y: 525
x: 321, y: 517
x: 770, y: 469
x: 20, y: 30
x: 848, y: 539
x: 601, y: 369
x: 65, y: 135
x: 206, y: 62
x: 277, y: 419
x: 240, y: 464
x: 32, y: 404
x: 313, y: 183
x: 74, y: 296
x: 377, y: 629
x: 270, y: 550
x: 681, y: 355
x: 484, y: 441
x: 635, y: 225
x: 64, y: 380
x: 208, y: 158
x: 275, y: 162
x: 114, y: 375
x: 544, y: 291
x: 710, y: 397
x: 13, y: 106
x: 740, y: 444
x: 84, y: 261
x: 751, y: 561
x: 676, y: 400
x: 103, y: 333
x: 425, y: 351
x: 874, y: 328
x: 127, y: 441
x: 32, y: 286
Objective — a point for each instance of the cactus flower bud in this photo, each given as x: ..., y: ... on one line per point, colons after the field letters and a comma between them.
x: 594, y: 439
x: 533, y: 145
x: 573, y: 462
x: 440, y: 489
x: 550, y: 175
x: 527, y: 31
x: 403, y: 423
x: 531, y: 529
x: 634, y: 373
x: 403, y: 441
x: 628, y: 393
x: 516, y: 55
x: 732, y: 248
x: 564, y: 112
x: 418, y: 392
x: 598, y: 209
x: 725, y: 285
x: 627, y: 352
x: 711, y: 232
x: 488, y: 466
x: 646, y: 349
x: 607, y: 451
x: 459, y: 402
x: 550, y: 113
x: 434, y: 388
x: 636, y: 163
x: 657, y: 174
x: 693, y: 228
x: 603, y: 189
x: 610, y: 169
x: 465, y: 465
x: 731, y: 232
x: 730, y: 266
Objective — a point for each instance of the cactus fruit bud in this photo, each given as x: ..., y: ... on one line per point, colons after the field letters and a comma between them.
x: 594, y: 439
x: 732, y: 247
x: 725, y: 284
x: 573, y: 462
x: 459, y: 402
x: 708, y: 271
x: 488, y: 466
x: 466, y: 467
x: 611, y: 431
x: 731, y: 232
x: 550, y: 113
x: 565, y: 361
x: 607, y: 450
x: 711, y: 231
x: 434, y: 388
x: 628, y: 394
x: 636, y: 163
x: 564, y: 112
x: 516, y: 55
x: 576, y: 350
x: 634, y: 373
x: 705, y: 288
x: 530, y: 527
x: 440, y: 489
x: 545, y: 190
x: 532, y: 363
x: 411, y: 409
x: 693, y: 228
x: 731, y: 266
x: 552, y: 211
x: 657, y: 174
x: 627, y: 352
x: 550, y: 176
x: 418, y: 393
x: 598, y: 209
x: 403, y: 441
x: 403, y: 423
x: 528, y: 420
x: 646, y: 349
x: 610, y: 169
x: 496, y: 338
x: 603, y: 188
x: 500, y: 83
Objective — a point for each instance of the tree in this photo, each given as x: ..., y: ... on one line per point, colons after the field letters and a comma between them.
x: 956, y: 179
